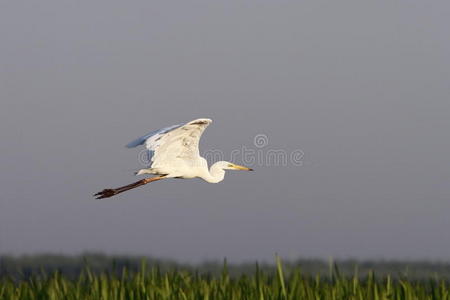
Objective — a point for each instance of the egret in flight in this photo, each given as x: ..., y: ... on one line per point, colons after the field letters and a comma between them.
x: 173, y: 153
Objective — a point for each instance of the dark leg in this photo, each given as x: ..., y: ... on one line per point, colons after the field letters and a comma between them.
x: 106, y: 193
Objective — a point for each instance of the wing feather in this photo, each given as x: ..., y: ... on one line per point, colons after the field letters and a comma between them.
x: 173, y: 143
x: 142, y: 139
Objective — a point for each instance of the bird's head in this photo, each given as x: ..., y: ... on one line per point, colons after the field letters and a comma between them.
x: 231, y: 166
x: 217, y: 171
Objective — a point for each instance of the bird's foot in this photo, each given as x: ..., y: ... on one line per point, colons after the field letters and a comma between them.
x: 106, y: 193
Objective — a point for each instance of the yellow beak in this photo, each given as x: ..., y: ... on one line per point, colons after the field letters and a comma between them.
x: 238, y: 167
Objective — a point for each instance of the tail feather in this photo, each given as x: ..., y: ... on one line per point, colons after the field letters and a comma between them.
x: 144, y: 171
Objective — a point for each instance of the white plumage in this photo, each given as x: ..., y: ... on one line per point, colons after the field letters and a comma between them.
x: 174, y: 152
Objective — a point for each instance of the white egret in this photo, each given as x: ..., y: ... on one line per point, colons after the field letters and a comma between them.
x: 173, y: 153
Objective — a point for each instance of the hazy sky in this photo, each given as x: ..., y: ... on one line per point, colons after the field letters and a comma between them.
x: 362, y: 88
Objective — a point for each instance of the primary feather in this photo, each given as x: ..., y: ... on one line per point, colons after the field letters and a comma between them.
x: 142, y: 139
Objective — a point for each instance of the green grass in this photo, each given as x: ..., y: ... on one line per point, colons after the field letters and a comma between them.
x: 152, y: 283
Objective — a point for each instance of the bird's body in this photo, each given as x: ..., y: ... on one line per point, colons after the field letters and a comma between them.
x: 173, y: 152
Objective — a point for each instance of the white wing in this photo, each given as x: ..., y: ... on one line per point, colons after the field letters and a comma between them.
x: 171, y: 144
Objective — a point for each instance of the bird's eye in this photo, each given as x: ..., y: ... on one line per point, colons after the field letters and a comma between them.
x: 230, y: 165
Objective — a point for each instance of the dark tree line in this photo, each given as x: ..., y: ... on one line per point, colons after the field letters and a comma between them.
x: 25, y: 267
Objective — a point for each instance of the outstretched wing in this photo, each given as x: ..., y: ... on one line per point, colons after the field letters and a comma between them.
x: 172, y: 143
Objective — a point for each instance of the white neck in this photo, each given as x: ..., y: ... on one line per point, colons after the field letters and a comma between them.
x: 215, y: 174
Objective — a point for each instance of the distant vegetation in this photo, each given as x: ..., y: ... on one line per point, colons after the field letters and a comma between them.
x: 22, y: 267
x: 97, y: 276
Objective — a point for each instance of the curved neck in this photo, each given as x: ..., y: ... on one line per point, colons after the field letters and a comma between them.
x: 216, y: 173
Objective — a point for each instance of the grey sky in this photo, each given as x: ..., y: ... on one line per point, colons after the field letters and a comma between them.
x: 362, y: 88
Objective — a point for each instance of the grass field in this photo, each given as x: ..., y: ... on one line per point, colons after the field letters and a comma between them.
x: 153, y: 283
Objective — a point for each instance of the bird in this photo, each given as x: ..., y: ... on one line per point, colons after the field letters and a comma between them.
x: 173, y: 152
